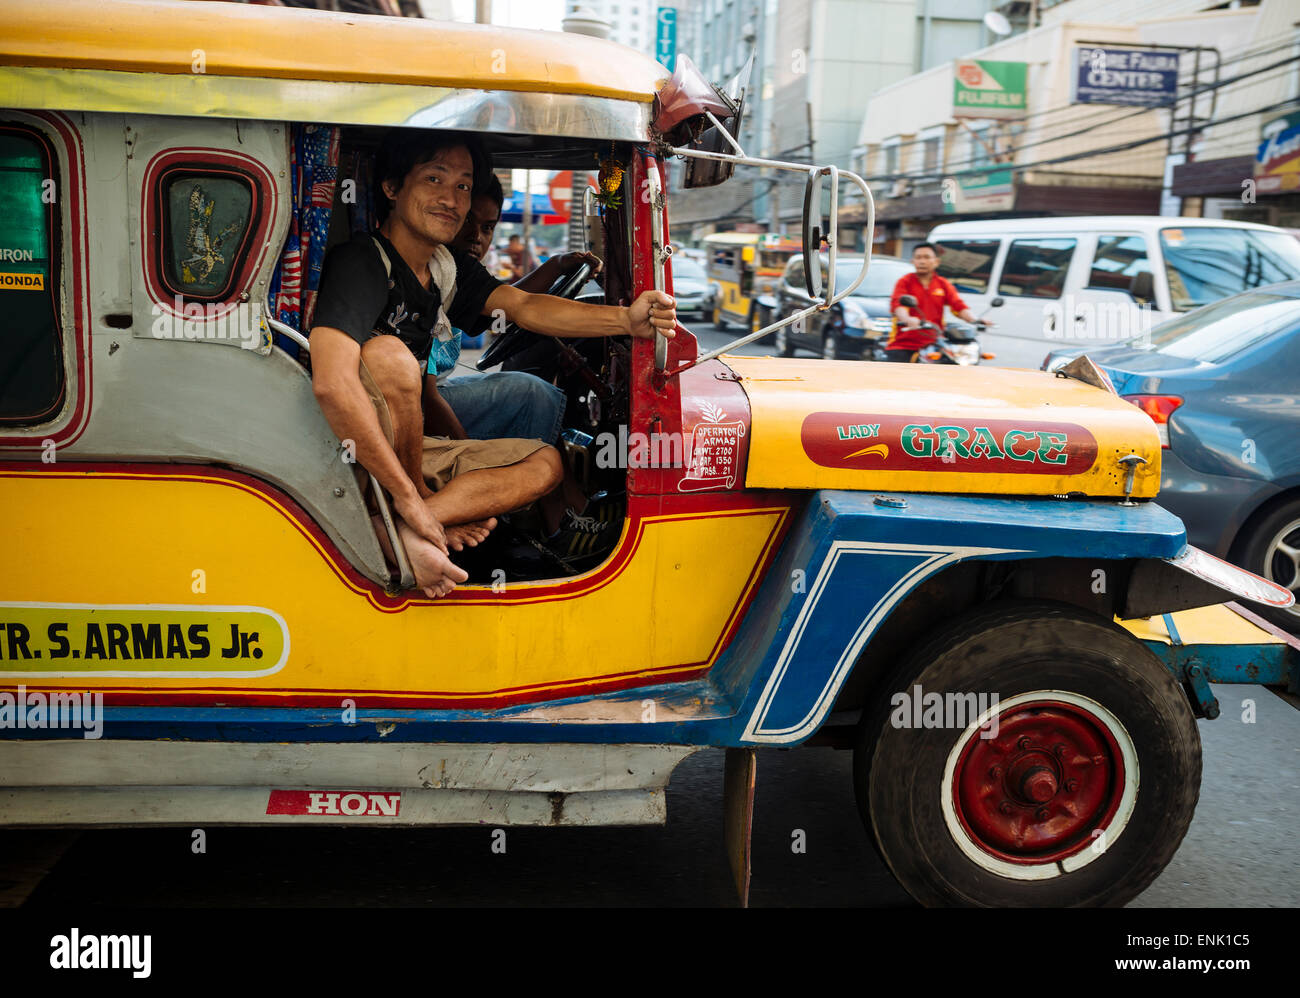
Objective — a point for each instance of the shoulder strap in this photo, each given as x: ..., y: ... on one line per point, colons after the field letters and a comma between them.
x: 388, y: 264
x: 442, y: 266
x: 443, y: 269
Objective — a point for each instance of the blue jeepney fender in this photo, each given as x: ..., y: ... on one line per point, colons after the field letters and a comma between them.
x: 863, y: 554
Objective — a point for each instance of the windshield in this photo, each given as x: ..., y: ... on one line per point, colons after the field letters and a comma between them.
x: 685, y: 267
x: 1207, y: 264
x: 1219, y: 331
x: 881, y: 278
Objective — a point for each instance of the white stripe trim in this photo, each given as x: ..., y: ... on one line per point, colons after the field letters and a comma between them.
x: 940, y: 558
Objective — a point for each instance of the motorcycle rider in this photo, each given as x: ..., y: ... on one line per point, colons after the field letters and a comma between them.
x: 933, y: 294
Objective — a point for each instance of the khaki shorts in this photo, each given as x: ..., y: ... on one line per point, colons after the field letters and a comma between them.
x: 445, y: 458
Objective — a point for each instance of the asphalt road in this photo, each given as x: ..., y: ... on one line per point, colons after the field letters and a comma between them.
x: 1239, y: 851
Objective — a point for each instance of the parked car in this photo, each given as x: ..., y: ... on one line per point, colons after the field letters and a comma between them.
x: 1104, y: 279
x: 691, y: 290
x: 1222, y: 384
x: 857, y: 327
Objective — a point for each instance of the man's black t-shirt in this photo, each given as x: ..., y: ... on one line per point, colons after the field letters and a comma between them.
x: 357, y: 296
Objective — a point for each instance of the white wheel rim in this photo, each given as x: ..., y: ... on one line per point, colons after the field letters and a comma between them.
x: 1054, y: 868
x: 1292, y: 554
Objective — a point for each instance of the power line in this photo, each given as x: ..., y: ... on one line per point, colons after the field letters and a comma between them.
x: 1238, y: 57
x: 1012, y: 150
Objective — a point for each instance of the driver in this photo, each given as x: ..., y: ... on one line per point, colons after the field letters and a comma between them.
x: 499, y: 403
x: 384, y: 298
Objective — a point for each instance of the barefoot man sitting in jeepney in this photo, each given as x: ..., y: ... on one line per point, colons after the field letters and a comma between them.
x: 383, y: 299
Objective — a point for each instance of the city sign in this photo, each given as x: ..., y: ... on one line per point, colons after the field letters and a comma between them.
x: 666, y: 36
x: 1136, y: 77
x: 983, y: 89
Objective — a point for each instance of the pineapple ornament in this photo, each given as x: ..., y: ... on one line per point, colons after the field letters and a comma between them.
x: 610, y: 182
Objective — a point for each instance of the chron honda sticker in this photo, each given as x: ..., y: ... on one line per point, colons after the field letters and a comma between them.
x: 933, y: 443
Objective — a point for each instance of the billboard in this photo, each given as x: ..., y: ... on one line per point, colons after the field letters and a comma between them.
x: 1277, y: 161
x: 983, y: 89
x: 1135, y: 77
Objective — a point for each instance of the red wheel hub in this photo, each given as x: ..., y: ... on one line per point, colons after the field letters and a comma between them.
x: 1038, y: 791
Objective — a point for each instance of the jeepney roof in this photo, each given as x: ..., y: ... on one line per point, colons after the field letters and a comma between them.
x: 189, y: 58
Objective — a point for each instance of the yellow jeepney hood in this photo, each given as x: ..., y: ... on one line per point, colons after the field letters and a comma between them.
x: 819, y: 424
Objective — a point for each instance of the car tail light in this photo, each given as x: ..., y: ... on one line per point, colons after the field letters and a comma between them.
x: 1159, y: 408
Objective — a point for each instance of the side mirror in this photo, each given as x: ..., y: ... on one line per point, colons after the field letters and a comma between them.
x: 1142, y: 286
x: 907, y: 300
x: 997, y: 303
x: 812, y: 234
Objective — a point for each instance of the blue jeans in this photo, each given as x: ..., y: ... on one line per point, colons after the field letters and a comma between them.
x: 506, y: 404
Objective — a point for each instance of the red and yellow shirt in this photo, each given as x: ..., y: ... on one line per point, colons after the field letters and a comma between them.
x: 931, y: 302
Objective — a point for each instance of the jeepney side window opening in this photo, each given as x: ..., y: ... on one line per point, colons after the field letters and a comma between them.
x: 206, y: 215
x: 32, y: 376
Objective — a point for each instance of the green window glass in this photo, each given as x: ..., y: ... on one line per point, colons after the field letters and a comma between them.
x: 31, y: 348
x: 207, y: 216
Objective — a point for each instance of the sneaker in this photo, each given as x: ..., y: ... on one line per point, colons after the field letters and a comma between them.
x: 581, y: 538
x: 607, y: 508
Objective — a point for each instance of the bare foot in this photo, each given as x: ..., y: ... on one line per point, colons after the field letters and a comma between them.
x: 434, y: 571
x: 465, y: 535
x: 417, y: 514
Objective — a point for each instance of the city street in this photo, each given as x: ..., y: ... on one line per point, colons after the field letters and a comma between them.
x: 296, y: 615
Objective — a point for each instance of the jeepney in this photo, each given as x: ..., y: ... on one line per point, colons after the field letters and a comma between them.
x: 745, y: 266
x: 840, y: 551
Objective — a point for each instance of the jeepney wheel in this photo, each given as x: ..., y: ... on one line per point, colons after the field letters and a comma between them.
x: 781, y: 340
x: 1073, y: 788
x: 1273, y: 552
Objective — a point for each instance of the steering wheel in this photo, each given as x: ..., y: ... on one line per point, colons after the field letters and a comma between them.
x: 514, y: 339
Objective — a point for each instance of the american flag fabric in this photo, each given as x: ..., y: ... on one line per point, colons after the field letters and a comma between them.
x: 314, y: 169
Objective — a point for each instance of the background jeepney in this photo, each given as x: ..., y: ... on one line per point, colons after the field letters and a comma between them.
x: 184, y: 536
x: 745, y: 266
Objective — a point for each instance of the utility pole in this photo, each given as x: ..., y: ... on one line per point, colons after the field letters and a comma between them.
x: 482, y: 11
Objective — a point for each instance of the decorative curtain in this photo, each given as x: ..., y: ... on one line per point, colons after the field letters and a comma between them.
x: 313, y: 169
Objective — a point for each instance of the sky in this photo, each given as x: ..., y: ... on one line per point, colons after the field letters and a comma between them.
x: 546, y: 14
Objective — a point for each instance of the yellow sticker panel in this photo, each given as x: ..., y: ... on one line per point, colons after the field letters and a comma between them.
x: 22, y: 282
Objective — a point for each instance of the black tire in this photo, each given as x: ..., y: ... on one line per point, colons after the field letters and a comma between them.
x: 909, y: 780
x: 1280, y: 525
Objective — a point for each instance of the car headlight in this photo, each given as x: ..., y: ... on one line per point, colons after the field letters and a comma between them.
x: 857, y: 322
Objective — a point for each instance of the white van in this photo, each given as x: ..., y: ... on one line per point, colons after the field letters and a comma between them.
x: 1101, y: 279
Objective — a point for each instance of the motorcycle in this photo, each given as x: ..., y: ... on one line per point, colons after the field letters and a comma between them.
x: 956, y: 343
